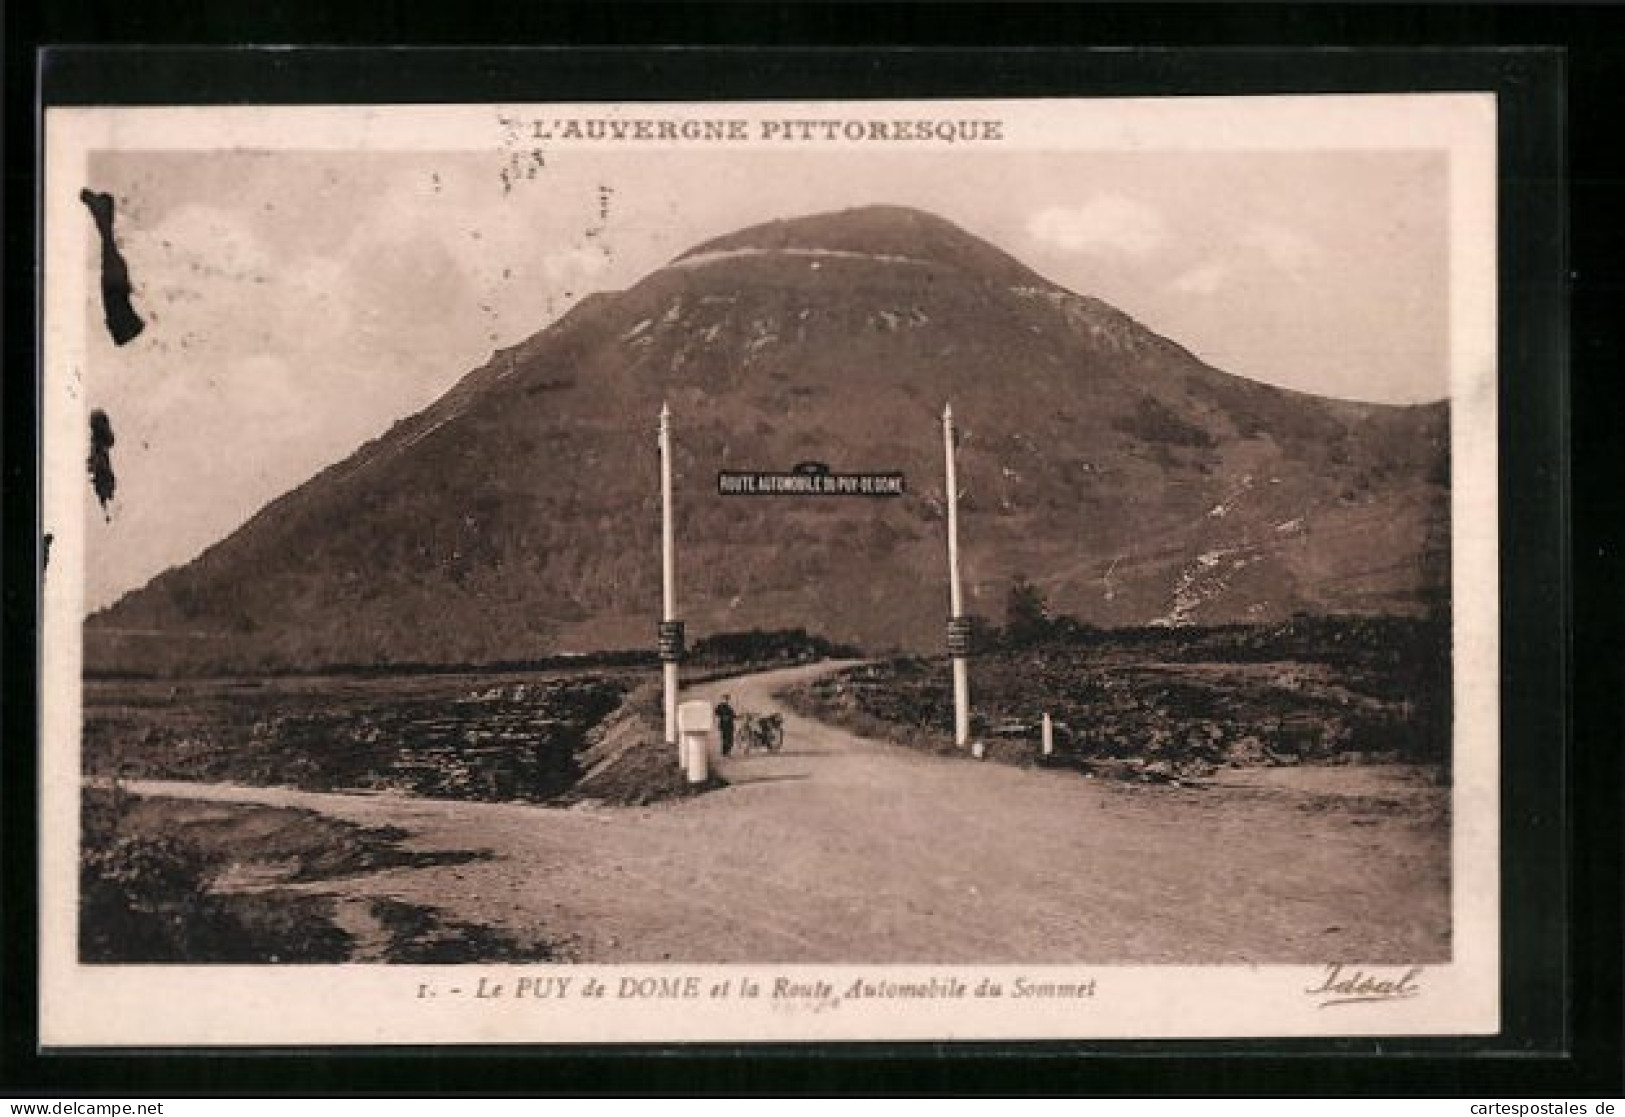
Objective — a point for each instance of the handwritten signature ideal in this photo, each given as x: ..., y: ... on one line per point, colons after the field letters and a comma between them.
x: 1360, y: 987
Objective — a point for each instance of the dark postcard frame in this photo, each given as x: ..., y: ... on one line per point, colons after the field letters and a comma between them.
x: 1560, y: 989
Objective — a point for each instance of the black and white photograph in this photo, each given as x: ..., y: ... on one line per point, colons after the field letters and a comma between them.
x: 748, y: 571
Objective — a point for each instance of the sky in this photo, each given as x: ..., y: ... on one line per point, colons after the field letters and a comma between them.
x: 299, y: 302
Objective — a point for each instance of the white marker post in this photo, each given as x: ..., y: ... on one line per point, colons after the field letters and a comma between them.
x: 671, y: 629
x: 1049, y: 736
x: 698, y: 727
x: 958, y: 624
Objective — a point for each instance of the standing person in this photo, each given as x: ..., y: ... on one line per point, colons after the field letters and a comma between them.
x: 725, y: 724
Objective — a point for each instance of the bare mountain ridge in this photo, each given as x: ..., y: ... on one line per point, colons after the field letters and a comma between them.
x: 518, y: 514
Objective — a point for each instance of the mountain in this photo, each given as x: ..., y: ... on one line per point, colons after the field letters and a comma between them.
x: 518, y: 515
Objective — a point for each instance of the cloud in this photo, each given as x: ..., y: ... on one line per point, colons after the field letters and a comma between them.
x: 1286, y: 250
x: 572, y: 266
x: 1107, y: 224
x: 204, y: 243
x: 1203, y: 279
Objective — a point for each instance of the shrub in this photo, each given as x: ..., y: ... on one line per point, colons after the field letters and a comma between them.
x: 145, y: 898
x: 1026, y: 613
x: 1154, y: 422
x: 142, y: 898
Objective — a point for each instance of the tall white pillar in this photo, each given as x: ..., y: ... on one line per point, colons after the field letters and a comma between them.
x: 958, y: 624
x: 671, y: 630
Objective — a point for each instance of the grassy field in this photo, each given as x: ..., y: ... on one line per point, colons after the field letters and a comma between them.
x: 492, y: 737
x: 1174, y: 703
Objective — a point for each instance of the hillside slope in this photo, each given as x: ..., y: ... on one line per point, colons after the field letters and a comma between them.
x: 518, y: 515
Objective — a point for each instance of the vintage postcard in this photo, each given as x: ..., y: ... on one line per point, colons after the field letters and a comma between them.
x: 740, y: 572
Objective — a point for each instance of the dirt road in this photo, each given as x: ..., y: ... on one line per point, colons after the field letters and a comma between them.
x: 841, y: 849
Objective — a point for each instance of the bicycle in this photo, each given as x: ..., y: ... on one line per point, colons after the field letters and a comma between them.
x: 761, y: 731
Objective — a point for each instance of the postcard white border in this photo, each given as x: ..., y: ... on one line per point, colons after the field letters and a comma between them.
x: 321, y: 1005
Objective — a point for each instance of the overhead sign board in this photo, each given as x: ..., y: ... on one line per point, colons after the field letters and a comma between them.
x: 809, y: 479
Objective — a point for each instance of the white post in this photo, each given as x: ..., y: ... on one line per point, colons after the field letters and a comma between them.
x: 668, y: 576
x: 1049, y: 736
x: 956, y: 602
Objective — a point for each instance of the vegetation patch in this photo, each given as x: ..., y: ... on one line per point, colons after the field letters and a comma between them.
x: 418, y: 936
x: 1166, y: 703
x: 766, y: 649
x: 189, y: 882
x: 164, y: 880
x: 501, y: 738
